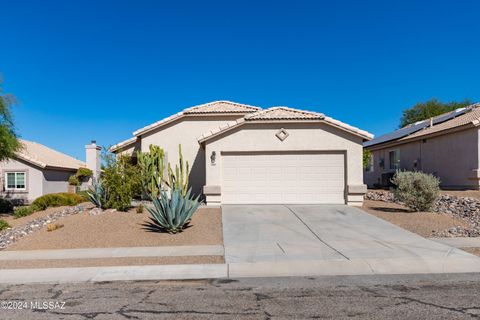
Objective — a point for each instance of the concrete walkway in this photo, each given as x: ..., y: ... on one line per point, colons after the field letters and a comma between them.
x: 462, y: 242
x: 293, y: 233
x: 90, y: 253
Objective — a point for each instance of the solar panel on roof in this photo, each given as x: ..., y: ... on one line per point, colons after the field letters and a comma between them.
x: 408, y: 130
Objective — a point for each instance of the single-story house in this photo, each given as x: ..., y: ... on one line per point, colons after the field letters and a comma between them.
x: 37, y: 170
x: 446, y: 146
x: 241, y: 154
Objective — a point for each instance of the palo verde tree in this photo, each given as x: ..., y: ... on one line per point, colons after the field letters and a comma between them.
x: 9, y: 142
x: 428, y: 109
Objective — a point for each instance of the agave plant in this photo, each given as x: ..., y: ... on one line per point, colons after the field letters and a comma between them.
x: 173, y: 214
x: 97, y: 195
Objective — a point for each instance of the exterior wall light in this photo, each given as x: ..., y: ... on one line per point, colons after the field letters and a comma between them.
x: 213, y: 157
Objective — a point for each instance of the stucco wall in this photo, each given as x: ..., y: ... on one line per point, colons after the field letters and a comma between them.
x: 302, y: 137
x: 55, y: 181
x: 452, y: 157
x: 34, y: 181
x: 130, y: 149
x: 185, y: 131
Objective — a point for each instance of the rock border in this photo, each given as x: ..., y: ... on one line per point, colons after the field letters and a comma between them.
x: 12, y: 235
x: 465, y: 208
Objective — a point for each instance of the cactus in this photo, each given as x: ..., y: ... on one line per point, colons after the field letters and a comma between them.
x: 152, y: 167
x: 178, y: 179
x: 172, y: 213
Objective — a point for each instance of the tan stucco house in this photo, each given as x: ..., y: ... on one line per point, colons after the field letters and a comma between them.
x: 37, y: 170
x: 446, y: 146
x: 241, y: 154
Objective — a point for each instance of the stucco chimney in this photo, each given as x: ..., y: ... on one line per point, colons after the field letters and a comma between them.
x: 93, y: 158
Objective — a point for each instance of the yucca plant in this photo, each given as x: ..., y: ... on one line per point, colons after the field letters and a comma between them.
x: 97, y: 195
x: 172, y: 214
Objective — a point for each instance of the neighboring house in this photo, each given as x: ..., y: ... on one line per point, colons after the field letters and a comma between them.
x: 240, y: 154
x: 446, y: 146
x: 37, y: 170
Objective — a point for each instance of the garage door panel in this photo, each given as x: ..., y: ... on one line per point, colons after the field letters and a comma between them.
x: 283, y: 178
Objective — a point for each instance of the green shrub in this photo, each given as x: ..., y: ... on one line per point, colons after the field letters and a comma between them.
x: 172, y: 214
x: 121, y: 181
x: 417, y: 190
x: 4, y: 225
x: 84, y: 195
x: 73, y: 180
x: 5, y: 206
x: 23, y: 211
x: 84, y: 173
x: 56, y: 200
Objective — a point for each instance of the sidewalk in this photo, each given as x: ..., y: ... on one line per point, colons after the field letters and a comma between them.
x: 239, y: 270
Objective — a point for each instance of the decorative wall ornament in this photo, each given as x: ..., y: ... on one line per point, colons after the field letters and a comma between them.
x: 282, y: 134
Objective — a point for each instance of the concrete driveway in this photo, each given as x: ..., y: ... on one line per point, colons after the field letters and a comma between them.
x: 286, y: 233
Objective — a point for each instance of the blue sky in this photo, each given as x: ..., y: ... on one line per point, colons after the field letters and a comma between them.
x: 99, y: 70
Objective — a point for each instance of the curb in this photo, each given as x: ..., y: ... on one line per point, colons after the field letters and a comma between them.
x: 242, y: 270
x: 126, y: 273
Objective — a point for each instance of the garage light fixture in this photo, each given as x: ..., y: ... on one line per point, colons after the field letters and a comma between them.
x: 213, y: 157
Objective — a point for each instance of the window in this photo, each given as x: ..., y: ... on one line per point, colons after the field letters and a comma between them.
x: 369, y: 167
x: 15, y: 181
x: 394, y: 156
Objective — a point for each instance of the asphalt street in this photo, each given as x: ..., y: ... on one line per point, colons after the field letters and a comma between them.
x: 443, y: 296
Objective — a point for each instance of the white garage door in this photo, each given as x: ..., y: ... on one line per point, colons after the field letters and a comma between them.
x: 284, y: 178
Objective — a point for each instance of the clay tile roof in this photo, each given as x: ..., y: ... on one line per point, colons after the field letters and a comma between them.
x: 221, y: 107
x: 284, y: 113
x: 43, y: 156
x: 215, y: 107
x: 472, y: 116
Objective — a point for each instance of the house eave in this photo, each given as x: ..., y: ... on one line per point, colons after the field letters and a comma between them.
x: 215, y: 133
x: 395, y: 143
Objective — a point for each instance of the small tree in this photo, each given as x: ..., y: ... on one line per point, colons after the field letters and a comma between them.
x: 428, y: 109
x: 9, y: 143
x: 417, y: 190
x: 367, y: 158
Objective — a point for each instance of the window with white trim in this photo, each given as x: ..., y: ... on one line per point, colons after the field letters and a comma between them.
x: 15, y: 181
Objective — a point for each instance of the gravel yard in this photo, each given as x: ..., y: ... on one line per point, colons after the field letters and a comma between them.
x: 426, y: 224
x: 122, y: 229
x: 27, y: 225
x: 460, y: 206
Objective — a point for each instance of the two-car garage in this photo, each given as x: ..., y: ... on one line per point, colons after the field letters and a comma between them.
x: 284, y: 156
x: 283, y: 177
